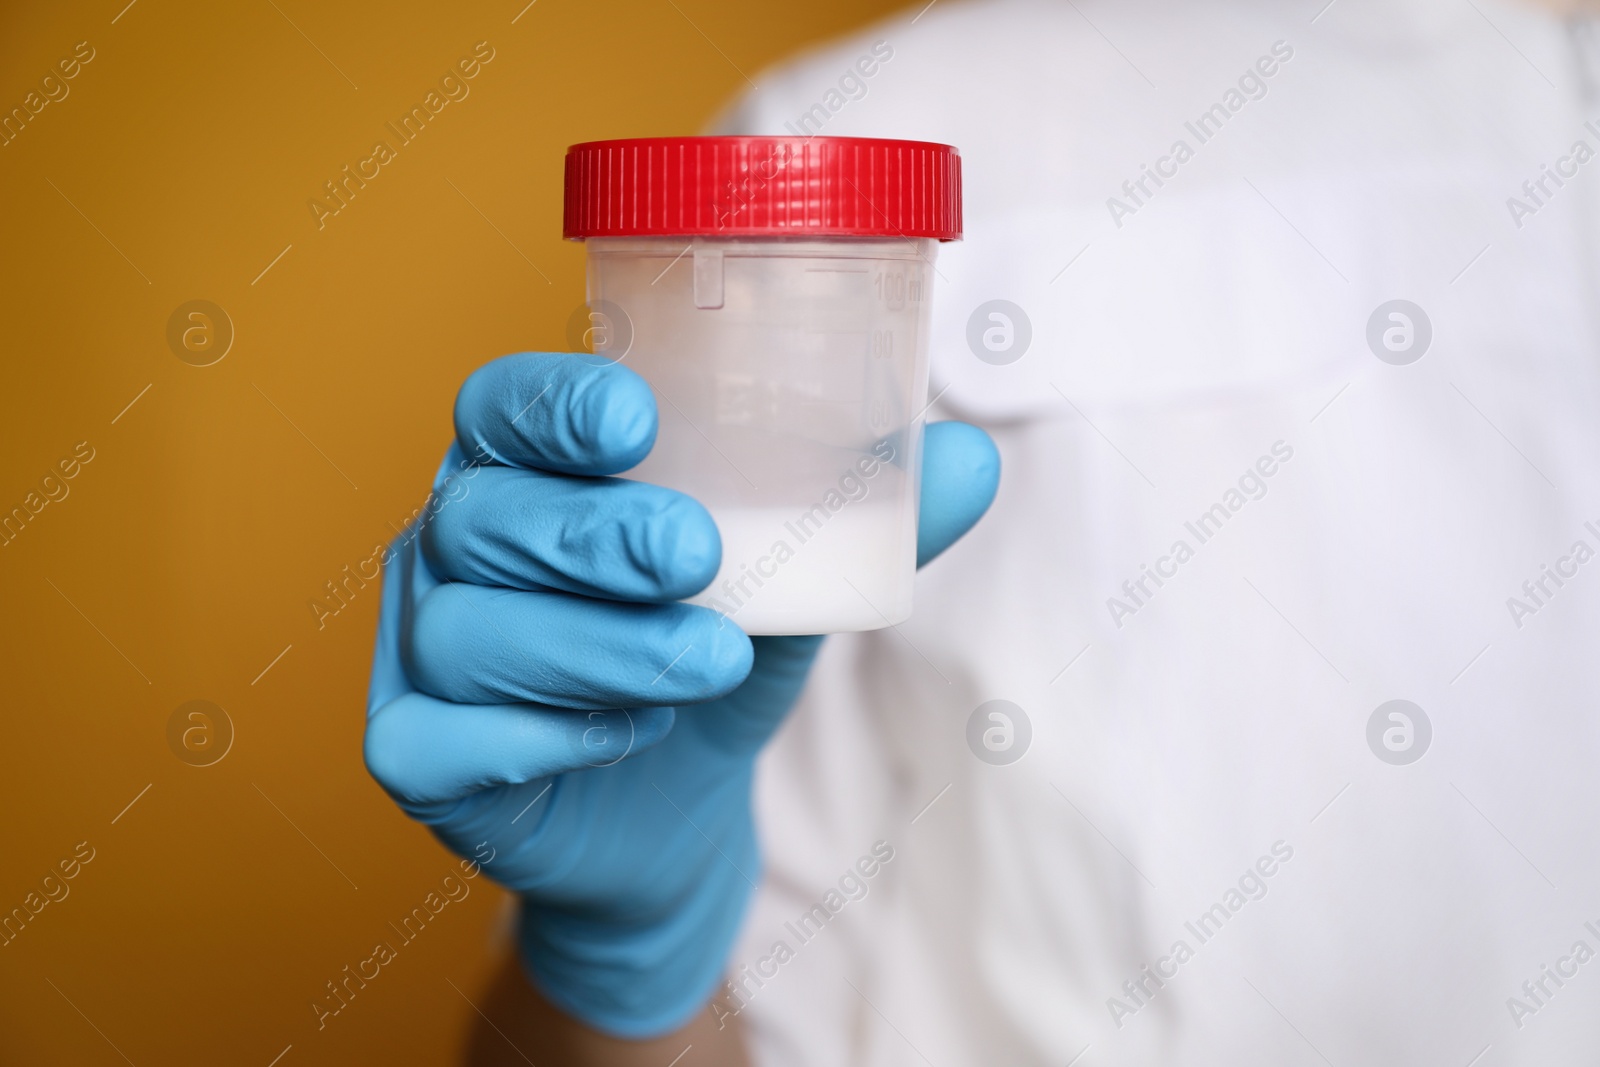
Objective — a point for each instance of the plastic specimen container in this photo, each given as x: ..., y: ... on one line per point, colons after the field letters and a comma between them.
x: 776, y: 294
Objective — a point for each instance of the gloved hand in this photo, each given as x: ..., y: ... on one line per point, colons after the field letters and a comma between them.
x: 536, y: 602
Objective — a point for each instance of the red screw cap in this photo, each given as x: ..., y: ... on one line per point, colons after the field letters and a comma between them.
x: 763, y: 187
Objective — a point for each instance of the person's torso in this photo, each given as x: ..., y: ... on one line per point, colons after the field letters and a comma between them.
x: 1238, y: 515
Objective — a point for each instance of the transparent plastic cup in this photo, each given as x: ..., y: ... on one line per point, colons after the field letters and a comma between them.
x: 790, y: 379
x: 791, y: 376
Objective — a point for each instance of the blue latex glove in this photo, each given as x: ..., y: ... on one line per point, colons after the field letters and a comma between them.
x: 537, y: 600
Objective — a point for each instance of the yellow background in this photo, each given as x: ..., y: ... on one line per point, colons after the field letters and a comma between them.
x: 188, y: 551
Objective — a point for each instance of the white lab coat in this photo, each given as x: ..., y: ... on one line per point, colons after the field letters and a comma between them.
x: 1175, y: 745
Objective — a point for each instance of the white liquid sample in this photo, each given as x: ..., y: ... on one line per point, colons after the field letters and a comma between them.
x: 805, y: 570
